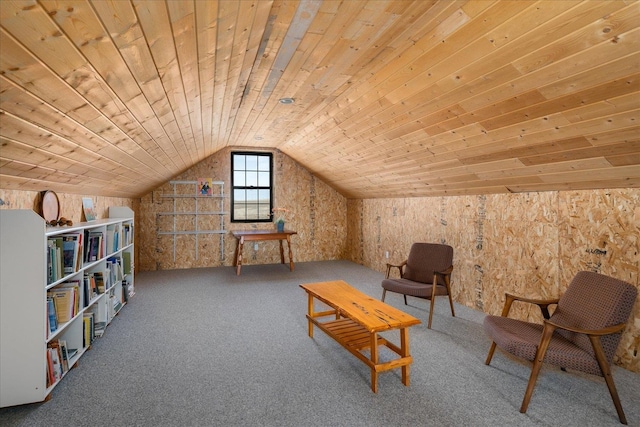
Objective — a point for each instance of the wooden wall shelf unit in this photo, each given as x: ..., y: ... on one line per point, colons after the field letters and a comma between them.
x: 33, y: 339
x: 188, y: 202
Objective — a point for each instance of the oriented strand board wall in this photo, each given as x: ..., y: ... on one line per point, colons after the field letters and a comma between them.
x: 530, y: 243
x: 70, y: 204
x: 317, y: 214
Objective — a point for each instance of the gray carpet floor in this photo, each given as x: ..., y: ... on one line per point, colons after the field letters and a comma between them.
x: 205, y: 347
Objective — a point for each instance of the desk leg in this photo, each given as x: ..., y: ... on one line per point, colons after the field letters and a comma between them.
x: 238, y: 261
x: 374, y: 359
x: 291, y: 267
x: 281, y: 252
x: 404, y: 350
x: 310, y: 311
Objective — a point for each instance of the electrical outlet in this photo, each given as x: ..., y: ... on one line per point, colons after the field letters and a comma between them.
x: 386, y: 254
x: 255, y: 246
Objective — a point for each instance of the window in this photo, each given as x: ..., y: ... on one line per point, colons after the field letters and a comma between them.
x: 251, y: 185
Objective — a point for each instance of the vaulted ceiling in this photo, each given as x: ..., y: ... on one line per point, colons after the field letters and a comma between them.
x: 392, y: 98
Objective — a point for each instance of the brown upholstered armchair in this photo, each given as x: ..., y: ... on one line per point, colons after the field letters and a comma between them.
x: 425, y: 274
x: 582, y: 334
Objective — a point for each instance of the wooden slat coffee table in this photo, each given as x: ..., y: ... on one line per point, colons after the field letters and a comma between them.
x: 358, y: 318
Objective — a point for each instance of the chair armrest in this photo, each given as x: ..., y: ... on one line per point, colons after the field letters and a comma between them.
x: 444, y: 272
x: 399, y: 267
x: 542, y: 303
x: 604, y: 331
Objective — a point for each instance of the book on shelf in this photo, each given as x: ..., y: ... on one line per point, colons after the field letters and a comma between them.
x: 90, y: 288
x: 126, y: 262
x: 86, y: 291
x: 100, y: 281
x: 72, y: 252
x: 52, y: 318
x: 94, y: 247
x: 63, y: 300
x: 80, y: 251
x: 55, y: 266
x: 68, y: 254
x: 65, y: 355
x: 53, y: 350
x: 50, y: 275
x: 74, y: 286
x: 125, y: 291
x: 117, y: 304
x: 98, y: 328
x: 109, y: 274
x: 59, y: 357
x: 127, y: 234
x: 71, y: 353
x: 66, y: 300
x: 94, y: 286
x: 113, y: 238
x: 88, y: 329
x: 114, y: 265
x: 50, y: 372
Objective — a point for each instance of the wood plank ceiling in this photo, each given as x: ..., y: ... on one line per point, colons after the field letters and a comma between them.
x: 392, y: 98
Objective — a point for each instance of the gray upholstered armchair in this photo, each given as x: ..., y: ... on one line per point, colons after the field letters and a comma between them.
x: 582, y: 334
x: 425, y: 274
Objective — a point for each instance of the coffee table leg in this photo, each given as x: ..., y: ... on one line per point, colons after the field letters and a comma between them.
x: 374, y: 359
x: 310, y: 311
x: 404, y: 349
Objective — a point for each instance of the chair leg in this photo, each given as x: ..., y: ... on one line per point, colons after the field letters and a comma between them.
x: 606, y: 373
x: 434, y: 284
x: 384, y: 294
x: 447, y: 281
x: 537, y: 364
x: 491, y: 351
x: 405, y: 299
x: 430, y: 313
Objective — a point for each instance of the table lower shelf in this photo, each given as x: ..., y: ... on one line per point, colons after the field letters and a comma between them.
x: 356, y: 339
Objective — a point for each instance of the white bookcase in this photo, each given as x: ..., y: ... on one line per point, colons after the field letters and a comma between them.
x: 26, y: 281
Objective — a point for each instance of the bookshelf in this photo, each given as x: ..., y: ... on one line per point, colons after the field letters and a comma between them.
x: 43, y: 269
x: 193, y: 213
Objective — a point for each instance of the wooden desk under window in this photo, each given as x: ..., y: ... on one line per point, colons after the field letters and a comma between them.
x: 249, y: 235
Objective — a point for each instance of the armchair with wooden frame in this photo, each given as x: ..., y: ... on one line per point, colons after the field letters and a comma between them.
x: 425, y: 274
x: 582, y: 334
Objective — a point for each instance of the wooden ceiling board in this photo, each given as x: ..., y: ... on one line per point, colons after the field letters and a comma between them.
x: 52, y: 146
x: 21, y: 104
x: 154, y: 110
x: 599, y: 109
x: 405, y: 105
x: 51, y: 87
x: 624, y: 159
x: 392, y: 98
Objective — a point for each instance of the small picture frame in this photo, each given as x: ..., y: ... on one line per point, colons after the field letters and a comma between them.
x: 204, y: 187
x: 87, y: 208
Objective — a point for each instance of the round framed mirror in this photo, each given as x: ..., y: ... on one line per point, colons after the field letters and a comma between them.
x: 49, y: 205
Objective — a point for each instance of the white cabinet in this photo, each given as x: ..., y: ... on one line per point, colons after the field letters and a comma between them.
x: 43, y: 269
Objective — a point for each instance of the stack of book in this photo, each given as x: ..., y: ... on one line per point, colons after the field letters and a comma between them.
x: 94, y: 248
x: 66, y: 303
x: 64, y: 255
x: 57, y: 361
